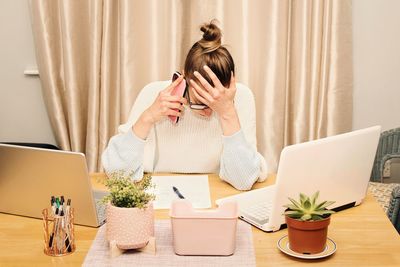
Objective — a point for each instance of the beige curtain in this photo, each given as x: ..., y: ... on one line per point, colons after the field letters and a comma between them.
x: 94, y: 57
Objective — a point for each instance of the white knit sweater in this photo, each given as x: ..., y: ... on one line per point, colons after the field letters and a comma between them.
x: 194, y: 145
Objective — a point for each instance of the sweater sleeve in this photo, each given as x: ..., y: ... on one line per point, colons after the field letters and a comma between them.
x: 240, y: 165
x: 124, y: 152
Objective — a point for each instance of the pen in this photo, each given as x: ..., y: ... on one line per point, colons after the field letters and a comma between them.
x: 67, y: 213
x: 177, y: 192
x: 52, y: 201
x: 57, y: 202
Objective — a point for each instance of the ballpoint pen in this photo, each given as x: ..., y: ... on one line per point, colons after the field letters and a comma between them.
x: 177, y: 192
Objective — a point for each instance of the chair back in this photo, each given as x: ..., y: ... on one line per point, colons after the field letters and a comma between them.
x: 389, y: 146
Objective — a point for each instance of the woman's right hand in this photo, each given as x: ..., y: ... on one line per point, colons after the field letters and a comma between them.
x: 162, y: 107
x: 166, y: 104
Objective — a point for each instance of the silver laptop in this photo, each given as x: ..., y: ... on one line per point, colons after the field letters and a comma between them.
x: 30, y: 176
x: 337, y: 166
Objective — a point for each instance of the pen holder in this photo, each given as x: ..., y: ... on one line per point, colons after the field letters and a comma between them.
x: 59, y: 239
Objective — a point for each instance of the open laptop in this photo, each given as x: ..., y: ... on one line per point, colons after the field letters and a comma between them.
x: 30, y: 176
x: 337, y: 166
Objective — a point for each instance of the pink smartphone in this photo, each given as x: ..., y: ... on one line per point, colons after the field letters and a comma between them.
x: 180, y: 90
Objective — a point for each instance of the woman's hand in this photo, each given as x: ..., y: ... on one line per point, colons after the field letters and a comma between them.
x: 218, y: 98
x: 164, y: 105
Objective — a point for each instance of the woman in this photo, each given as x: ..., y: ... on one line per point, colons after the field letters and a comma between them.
x: 209, y: 137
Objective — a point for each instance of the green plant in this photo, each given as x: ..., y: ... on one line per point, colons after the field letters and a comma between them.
x: 125, y: 193
x: 308, y: 209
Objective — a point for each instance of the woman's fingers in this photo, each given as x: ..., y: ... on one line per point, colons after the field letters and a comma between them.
x: 203, y: 82
x: 175, y: 98
x: 205, y: 97
x: 199, y: 97
x: 171, y: 112
x: 174, y: 105
x: 173, y: 84
x: 214, y: 78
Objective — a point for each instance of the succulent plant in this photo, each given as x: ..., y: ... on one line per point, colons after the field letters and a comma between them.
x: 308, y: 209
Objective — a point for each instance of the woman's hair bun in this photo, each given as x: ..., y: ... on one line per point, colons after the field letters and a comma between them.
x: 211, y: 37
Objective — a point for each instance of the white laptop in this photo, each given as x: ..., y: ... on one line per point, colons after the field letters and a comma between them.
x: 30, y: 176
x: 337, y: 166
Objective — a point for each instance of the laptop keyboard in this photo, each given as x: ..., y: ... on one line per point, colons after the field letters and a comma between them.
x: 100, y: 207
x: 101, y: 211
x: 259, y: 212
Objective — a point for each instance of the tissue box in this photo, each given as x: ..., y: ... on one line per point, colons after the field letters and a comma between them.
x: 204, y: 232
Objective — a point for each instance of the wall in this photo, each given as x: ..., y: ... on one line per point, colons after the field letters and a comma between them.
x: 376, y: 38
x: 23, y: 116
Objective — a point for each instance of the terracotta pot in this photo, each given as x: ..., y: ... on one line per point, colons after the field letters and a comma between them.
x: 130, y: 228
x: 307, y: 237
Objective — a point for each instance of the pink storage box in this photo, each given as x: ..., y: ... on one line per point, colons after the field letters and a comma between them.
x: 204, y: 232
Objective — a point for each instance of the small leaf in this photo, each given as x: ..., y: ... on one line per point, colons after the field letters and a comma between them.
x: 297, y: 204
x: 291, y: 212
x: 307, y: 204
x: 305, y: 217
x: 324, y: 204
x: 314, y: 198
x: 292, y: 207
x: 316, y: 218
x: 303, y: 198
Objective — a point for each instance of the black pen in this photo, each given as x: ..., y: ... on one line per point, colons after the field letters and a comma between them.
x: 177, y: 192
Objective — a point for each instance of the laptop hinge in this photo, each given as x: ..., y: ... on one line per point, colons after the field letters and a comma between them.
x: 350, y: 205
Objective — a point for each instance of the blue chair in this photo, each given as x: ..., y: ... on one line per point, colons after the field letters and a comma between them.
x: 387, y: 194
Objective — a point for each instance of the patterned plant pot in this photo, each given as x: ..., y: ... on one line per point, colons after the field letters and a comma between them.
x: 130, y: 228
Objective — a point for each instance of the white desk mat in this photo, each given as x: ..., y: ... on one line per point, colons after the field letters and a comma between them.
x: 99, y: 253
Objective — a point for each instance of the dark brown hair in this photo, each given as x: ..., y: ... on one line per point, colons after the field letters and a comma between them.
x: 209, y: 51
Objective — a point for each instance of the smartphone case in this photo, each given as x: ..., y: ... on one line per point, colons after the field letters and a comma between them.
x: 178, y: 90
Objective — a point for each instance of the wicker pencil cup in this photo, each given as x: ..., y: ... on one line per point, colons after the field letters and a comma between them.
x: 59, y: 239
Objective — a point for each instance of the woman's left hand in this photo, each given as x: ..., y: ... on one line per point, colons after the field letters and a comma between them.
x: 218, y: 98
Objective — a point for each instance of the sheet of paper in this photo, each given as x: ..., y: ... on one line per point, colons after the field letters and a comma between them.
x: 195, y: 188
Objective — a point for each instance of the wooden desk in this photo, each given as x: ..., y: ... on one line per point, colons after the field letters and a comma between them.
x: 364, y: 235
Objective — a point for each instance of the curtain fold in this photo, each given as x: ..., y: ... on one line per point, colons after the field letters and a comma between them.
x: 94, y: 56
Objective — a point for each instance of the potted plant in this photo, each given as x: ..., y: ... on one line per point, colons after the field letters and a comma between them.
x: 129, y: 213
x: 307, y: 222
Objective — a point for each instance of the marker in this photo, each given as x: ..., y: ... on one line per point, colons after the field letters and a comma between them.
x: 177, y: 192
x: 51, y: 240
x: 53, y: 208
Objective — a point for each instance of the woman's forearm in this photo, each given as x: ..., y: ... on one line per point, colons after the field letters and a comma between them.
x: 143, y: 125
x: 229, y: 121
